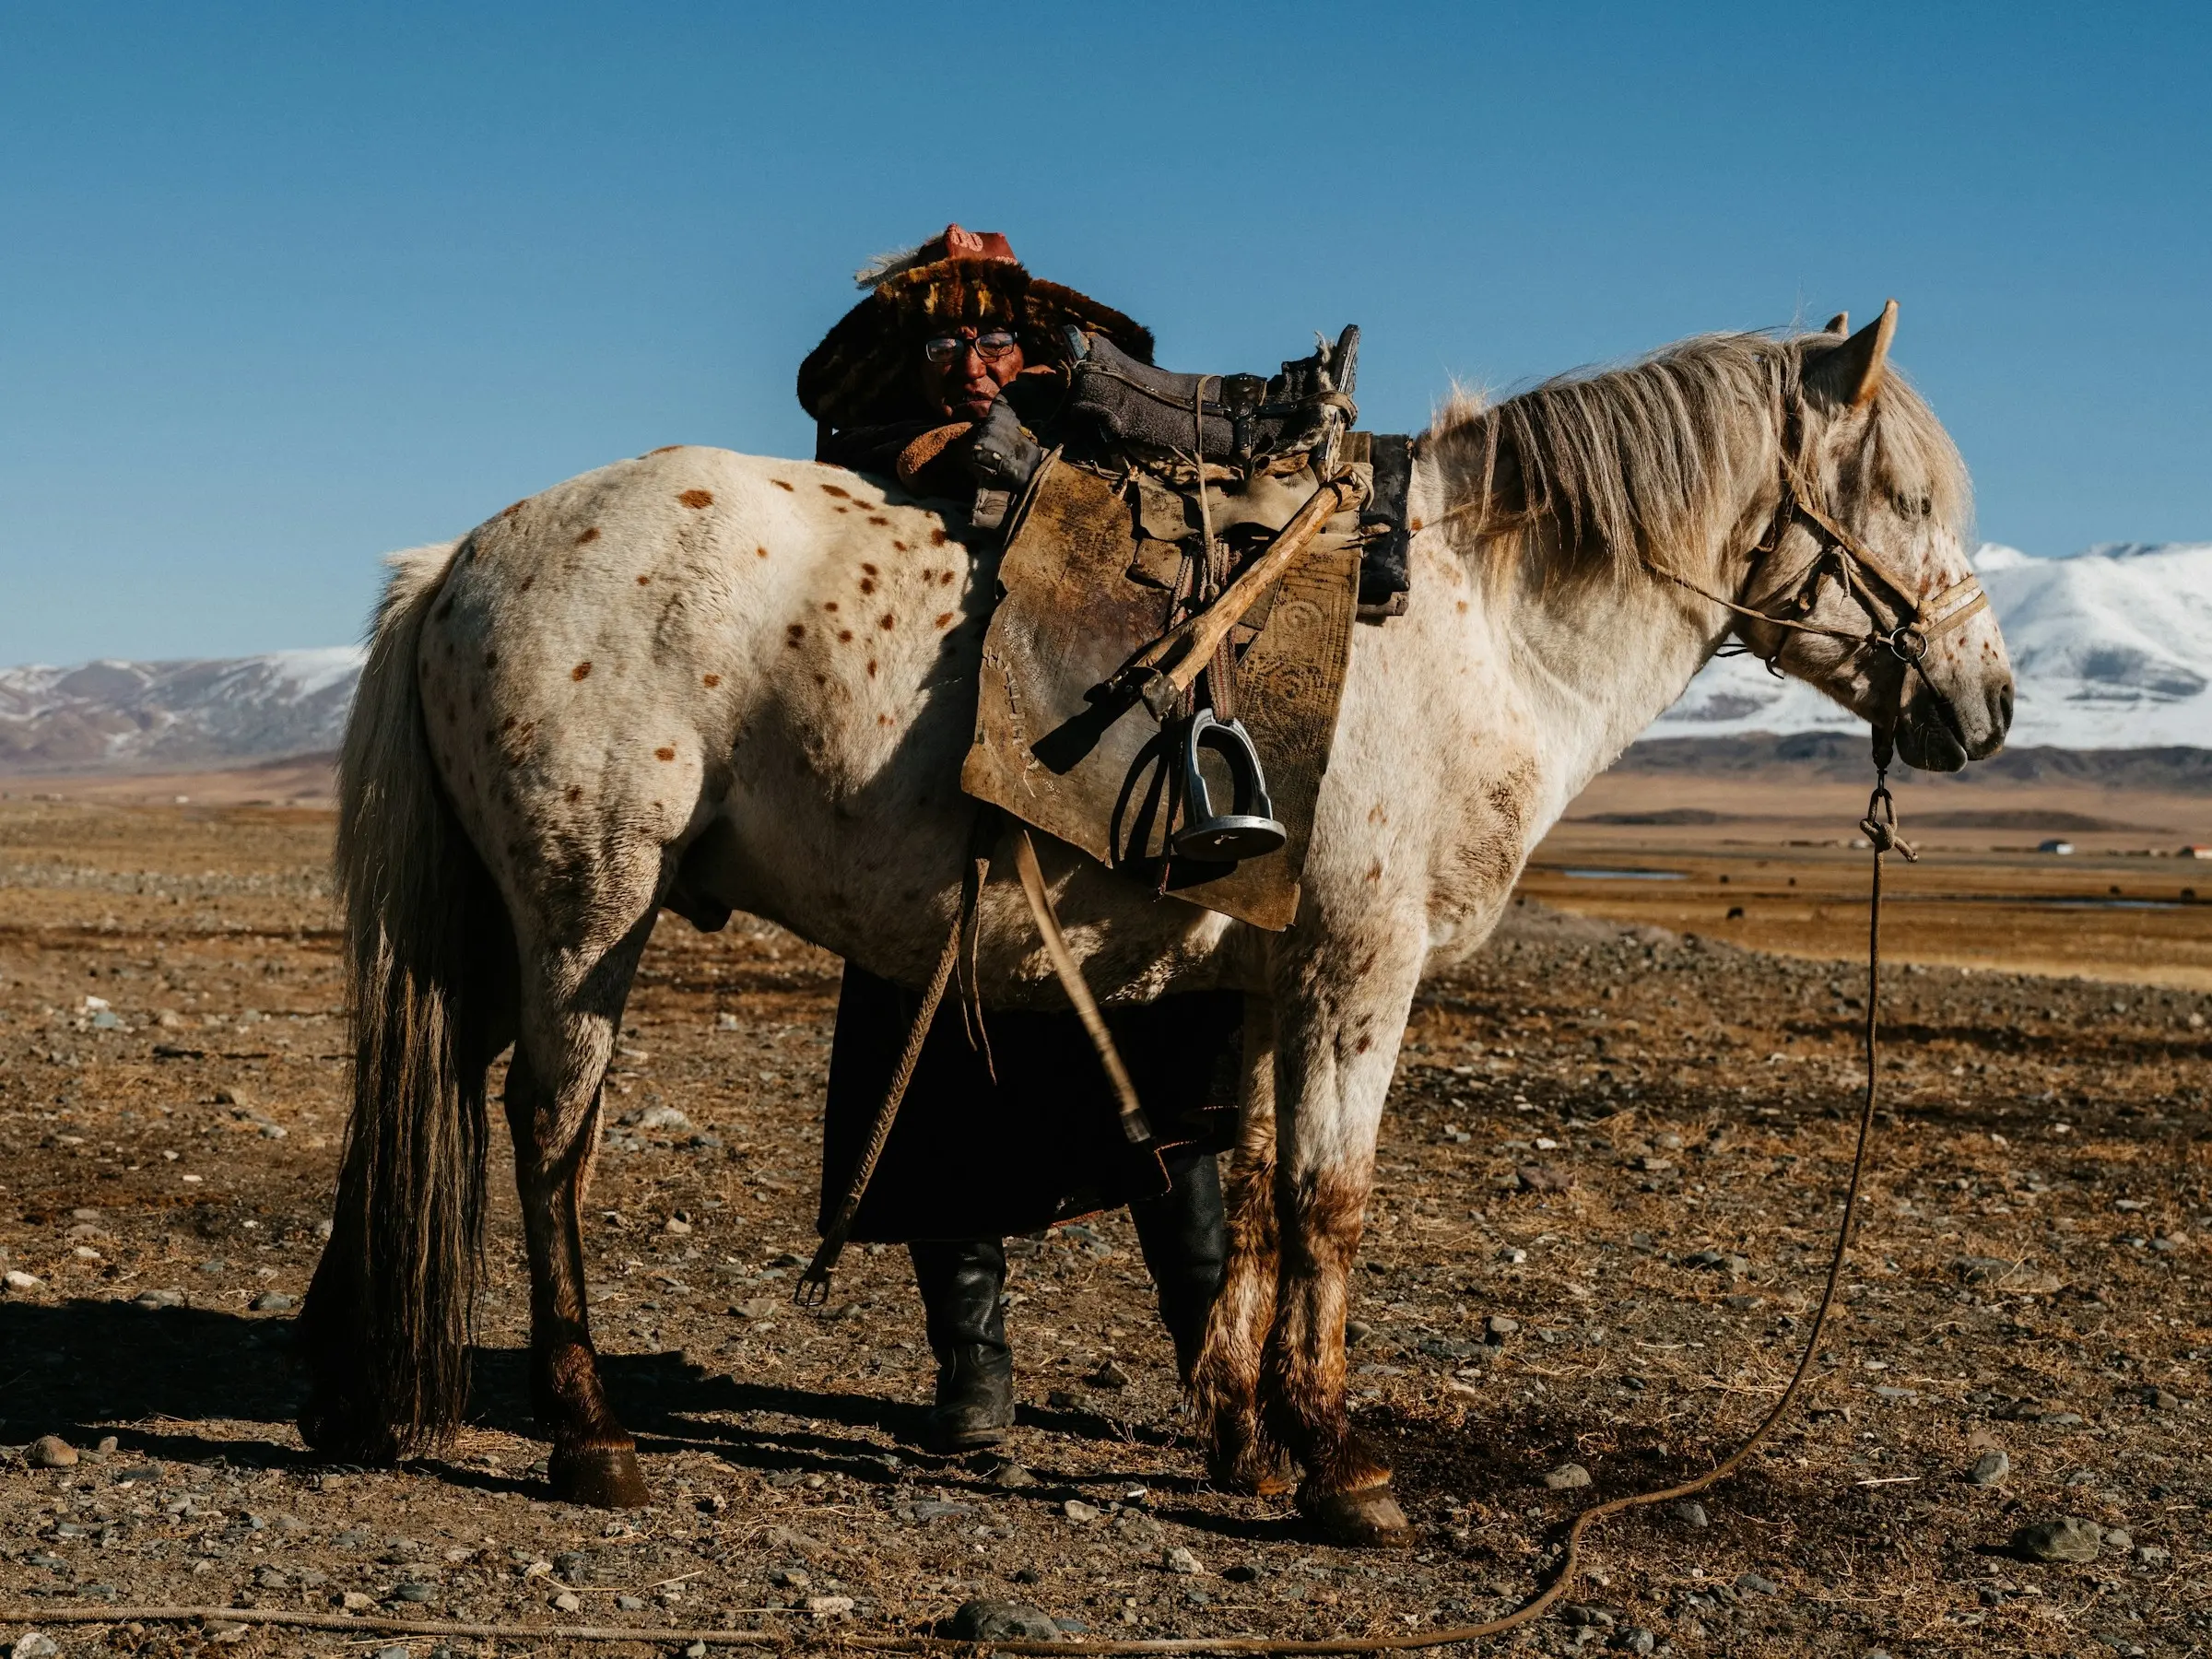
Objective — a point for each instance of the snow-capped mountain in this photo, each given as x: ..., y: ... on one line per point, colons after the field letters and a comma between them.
x: 113, y: 716
x: 2111, y: 649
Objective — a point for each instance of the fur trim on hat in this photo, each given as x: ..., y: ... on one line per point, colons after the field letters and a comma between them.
x: 865, y: 371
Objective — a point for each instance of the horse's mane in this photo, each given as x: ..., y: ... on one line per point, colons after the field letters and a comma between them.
x: 1629, y: 464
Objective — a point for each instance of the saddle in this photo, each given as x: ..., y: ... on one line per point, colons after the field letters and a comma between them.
x: 1178, y: 588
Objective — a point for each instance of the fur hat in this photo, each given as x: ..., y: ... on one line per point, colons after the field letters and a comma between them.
x: 864, y: 371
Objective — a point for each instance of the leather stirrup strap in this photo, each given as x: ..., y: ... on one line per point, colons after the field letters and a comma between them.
x: 813, y: 1288
x: 1133, y: 1123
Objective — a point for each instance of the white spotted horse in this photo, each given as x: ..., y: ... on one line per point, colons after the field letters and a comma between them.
x: 714, y: 682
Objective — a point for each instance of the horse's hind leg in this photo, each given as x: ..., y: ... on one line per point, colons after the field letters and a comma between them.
x: 572, y: 1012
x: 1242, y: 1456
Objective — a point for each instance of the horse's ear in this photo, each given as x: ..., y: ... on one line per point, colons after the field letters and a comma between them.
x: 1852, y: 373
x: 1838, y: 324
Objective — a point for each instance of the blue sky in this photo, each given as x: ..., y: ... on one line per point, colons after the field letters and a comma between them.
x: 284, y: 287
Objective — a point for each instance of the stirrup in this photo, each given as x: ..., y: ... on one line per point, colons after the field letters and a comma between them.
x: 1249, y: 828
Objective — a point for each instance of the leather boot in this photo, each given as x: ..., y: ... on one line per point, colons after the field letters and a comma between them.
x: 1184, y: 1236
x: 960, y: 1283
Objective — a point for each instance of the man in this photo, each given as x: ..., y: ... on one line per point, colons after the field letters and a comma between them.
x: 932, y: 379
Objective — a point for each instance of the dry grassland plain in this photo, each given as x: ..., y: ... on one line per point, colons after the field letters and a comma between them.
x: 1604, y: 1193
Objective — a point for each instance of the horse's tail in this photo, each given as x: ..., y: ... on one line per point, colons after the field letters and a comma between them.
x: 430, y: 960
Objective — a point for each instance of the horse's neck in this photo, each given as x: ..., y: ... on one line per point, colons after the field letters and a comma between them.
x: 1593, y: 661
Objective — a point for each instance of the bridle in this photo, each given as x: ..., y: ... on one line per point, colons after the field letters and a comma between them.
x: 1902, y: 625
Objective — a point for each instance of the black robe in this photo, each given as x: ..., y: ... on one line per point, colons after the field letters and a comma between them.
x: 969, y: 1157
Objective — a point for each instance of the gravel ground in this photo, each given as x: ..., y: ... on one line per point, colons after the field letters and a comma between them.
x: 1605, y: 1197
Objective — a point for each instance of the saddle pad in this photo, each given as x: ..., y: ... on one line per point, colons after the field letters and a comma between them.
x: 1071, y: 613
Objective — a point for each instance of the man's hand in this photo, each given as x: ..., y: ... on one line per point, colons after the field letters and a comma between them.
x: 1001, y: 455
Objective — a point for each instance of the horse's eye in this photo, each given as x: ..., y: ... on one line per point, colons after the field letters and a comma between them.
x: 1913, y: 506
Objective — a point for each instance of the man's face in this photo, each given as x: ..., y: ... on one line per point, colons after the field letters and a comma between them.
x: 962, y: 369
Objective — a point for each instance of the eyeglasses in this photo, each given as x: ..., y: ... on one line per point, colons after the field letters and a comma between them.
x: 947, y: 349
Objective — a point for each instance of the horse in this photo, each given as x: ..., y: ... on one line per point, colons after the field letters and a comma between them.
x: 712, y: 682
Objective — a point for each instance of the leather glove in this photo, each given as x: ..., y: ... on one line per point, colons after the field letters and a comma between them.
x: 1001, y: 454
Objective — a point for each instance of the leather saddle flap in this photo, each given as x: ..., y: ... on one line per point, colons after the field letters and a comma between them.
x: 1075, y: 605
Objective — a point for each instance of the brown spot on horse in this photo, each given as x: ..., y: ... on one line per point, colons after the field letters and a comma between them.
x: 832, y: 489
x: 877, y: 518
x: 780, y: 484
x: 665, y: 449
x: 791, y: 636
x: 937, y: 538
x: 867, y: 584
x: 844, y: 636
x: 760, y: 552
x: 589, y: 536
x: 889, y: 623
x: 663, y: 753
x: 582, y: 671
x: 696, y: 499
x: 713, y: 681
x: 871, y: 667
x: 945, y: 618
x: 643, y: 581
x: 575, y: 793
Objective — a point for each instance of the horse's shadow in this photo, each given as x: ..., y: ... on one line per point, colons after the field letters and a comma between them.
x: 166, y: 1382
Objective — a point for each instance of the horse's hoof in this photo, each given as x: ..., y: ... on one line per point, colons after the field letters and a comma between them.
x: 1252, y: 1476
x: 599, y: 1476
x: 1368, y: 1519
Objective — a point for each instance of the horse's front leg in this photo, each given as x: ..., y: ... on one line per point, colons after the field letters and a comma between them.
x: 1341, y: 1011
x: 1242, y: 1456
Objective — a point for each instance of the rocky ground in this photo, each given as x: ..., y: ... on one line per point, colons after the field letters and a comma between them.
x: 1605, y: 1193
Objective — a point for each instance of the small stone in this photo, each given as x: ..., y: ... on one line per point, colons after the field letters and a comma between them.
x: 238, y: 1094
x: 828, y: 1606
x: 1542, y: 1177
x: 2153, y: 1555
x: 50, y: 1451
x: 1180, y: 1560
x: 1753, y: 1584
x: 1636, y: 1641
x: 1989, y: 1468
x: 2116, y: 1537
x: 1567, y: 1478
x: 17, y: 1279
x: 1075, y: 1508
x: 568, y: 1601
x: 1691, y: 1513
x: 108, y: 1443
x: 697, y: 1650
x: 1011, y: 1477
x: 160, y: 1299
x: 1002, y: 1621
x: 273, y: 1301
x: 2068, y: 1539
x: 33, y: 1645
x: 2157, y: 1399
x: 663, y: 1117
x: 1982, y: 1270
x: 396, y: 1651
x: 1244, y: 1572
x: 630, y: 1603
x: 677, y: 1225
x: 1108, y: 1375
x: 1499, y: 1327
x: 354, y: 1601
x: 414, y: 1591
x: 791, y: 1578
